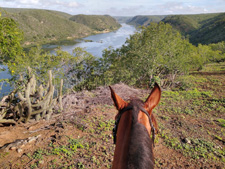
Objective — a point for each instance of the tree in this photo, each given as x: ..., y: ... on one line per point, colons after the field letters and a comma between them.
x: 10, y: 38
x: 219, y: 52
x: 157, y: 51
x: 83, y: 72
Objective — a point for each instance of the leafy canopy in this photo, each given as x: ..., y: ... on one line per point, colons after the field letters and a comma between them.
x: 156, y: 50
x: 10, y: 38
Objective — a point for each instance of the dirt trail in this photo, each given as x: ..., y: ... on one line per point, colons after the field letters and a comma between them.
x: 79, y: 109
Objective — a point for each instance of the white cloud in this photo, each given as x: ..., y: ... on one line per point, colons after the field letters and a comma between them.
x: 9, y: 0
x: 73, y: 4
x: 50, y: 4
x: 124, y: 11
x: 180, y: 8
x: 33, y: 2
x: 121, y: 7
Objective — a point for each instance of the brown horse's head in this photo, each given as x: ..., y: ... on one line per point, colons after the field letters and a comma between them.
x: 134, y: 126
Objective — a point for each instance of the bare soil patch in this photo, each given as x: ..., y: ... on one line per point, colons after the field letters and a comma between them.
x: 81, y: 136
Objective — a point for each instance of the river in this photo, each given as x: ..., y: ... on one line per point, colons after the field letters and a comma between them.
x: 94, y: 44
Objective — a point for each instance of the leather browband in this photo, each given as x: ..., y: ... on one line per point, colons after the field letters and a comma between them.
x: 118, y: 120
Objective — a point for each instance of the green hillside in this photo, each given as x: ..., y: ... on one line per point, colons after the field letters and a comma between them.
x: 97, y: 22
x: 142, y: 20
x: 123, y: 19
x: 201, y: 28
x: 42, y: 26
x: 212, y: 31
x: 184, y: 24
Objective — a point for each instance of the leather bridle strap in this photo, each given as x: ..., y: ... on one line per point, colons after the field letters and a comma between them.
x: 118, y: 119
x: 151, y: 124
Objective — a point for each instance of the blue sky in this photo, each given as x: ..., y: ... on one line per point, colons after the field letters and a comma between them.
x: 122, y: 7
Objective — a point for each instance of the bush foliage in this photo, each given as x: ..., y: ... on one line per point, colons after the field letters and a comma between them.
x: 10, y: 38
x: 154, y: 53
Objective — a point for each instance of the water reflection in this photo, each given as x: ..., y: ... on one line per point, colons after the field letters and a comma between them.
x: 5, y: 86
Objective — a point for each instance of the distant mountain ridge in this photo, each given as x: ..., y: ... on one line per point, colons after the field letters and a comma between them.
x: 42, y: 26
x: 97, y: 22
x: 123, y: 19
x: 144, y: 20
x: 200, y: 28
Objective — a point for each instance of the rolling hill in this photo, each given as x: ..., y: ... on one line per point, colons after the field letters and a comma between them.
x: 202, y: 28
x: 97, y: 22
x: 123, y: 19
x: 199, y: 28
x: 42, y: 26
x: 142, y: 20
x: 212, y: 31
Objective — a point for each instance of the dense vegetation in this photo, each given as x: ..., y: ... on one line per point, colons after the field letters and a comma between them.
x: 142, y: 20
x: 97, y: 22
x: 39, y: 26
x: 199, y: 28
x: 155, y: 53
x: 188, y: 23
x: 10, y: 38
x: 204, y: 28
x: 123, y: 19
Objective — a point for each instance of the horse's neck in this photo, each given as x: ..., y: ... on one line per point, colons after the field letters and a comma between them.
x: 140, y: 153
x: 134, y: 149
x: 123, y: 141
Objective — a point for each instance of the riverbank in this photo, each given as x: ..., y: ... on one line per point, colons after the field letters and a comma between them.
x: 93, y: 44
x: 65, y: 41
x: 41, y: 26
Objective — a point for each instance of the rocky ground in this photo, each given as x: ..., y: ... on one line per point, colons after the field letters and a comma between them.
x: 191, y: 124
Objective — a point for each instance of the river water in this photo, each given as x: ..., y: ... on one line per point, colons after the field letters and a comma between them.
x: 94, y: 44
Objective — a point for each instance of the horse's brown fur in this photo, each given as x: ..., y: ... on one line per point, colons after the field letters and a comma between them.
x: 140, y: 153
x: 134, y: 145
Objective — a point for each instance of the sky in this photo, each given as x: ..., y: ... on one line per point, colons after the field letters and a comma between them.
x: 122, y: 7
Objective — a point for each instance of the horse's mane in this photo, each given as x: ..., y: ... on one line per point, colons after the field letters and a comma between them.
x: 140, y: 153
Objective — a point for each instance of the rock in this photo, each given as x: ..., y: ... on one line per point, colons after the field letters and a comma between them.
x: 30, y: 128
x: 19, y: 150
x: 12, y: 148
x: 31, y: 139
x: 18, y: 144
x: 186, y: 140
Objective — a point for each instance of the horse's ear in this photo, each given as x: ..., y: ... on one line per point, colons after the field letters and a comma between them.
x: 118, y: 101
x: 153, y: 99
